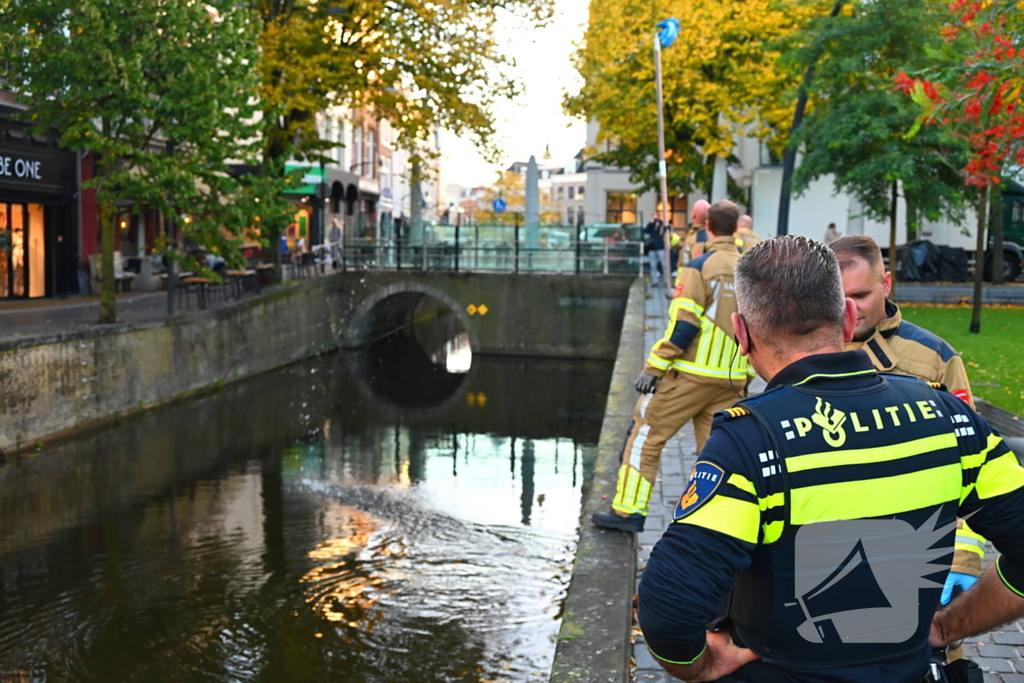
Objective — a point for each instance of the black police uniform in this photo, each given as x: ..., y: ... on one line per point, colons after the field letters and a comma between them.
x: 832, y: 499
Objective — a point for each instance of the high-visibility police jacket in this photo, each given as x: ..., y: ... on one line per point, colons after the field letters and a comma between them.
x: 904, y: 348
x: 699, y: 339
x: 832, y: 498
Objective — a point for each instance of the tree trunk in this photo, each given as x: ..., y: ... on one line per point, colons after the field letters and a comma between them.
x: 998, y: 276
x: 979, y: 262
x: 892, y: 237
x: 108, y: 287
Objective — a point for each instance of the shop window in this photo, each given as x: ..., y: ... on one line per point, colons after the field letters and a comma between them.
x: 36, y: 251
x: 620, y: 207
x: 5, y: 250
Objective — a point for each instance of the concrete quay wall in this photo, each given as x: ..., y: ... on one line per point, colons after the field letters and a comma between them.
x: 54, y: 385
x: 594, y: 642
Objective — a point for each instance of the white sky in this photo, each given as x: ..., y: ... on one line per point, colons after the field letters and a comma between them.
x: 545, y: 68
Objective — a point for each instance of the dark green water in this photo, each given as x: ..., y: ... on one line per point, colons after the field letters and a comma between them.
x: 356, y: 518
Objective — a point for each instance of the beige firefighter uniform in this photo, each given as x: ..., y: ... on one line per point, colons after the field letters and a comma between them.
x: 747, y: 238
x: 700, y: 368
x: 904, y: 348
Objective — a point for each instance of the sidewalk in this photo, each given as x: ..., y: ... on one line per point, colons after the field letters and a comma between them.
x: 26, y: 319
x: 1001, y: 652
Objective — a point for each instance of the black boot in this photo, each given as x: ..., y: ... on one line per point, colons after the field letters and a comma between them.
x: 610, y: 520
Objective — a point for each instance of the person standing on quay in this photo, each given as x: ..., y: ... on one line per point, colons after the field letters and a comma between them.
x: 694, y: 371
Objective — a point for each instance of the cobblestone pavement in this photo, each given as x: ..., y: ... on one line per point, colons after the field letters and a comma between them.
x: 1001, y: 652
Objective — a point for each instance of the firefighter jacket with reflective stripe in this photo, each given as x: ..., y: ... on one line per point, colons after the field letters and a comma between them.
x: 904, y: 348
x: 699, y: 339
x: 828, y: 505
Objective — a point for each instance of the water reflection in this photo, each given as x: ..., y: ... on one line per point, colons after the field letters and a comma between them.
x: 302, y: 526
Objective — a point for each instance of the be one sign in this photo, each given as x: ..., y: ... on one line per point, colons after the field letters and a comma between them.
x: 16, y: 167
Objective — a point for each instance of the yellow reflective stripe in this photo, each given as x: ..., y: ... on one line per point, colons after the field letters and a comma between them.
x: 970, y: 545
x: 702, y: 651
x: 715, y: 357
x: 967, y: 531
x: 730, y: 516
x: 742, y: 483
x: 696, y: 369
x: 875, y: 497
x: 969, y: 462
x: 864, y: 456
x: 837, y: 374
x: 772, y: 531
x: 999, y: 476
x: 772, y: 501
x: 657, y: 361
x: 632, y: 492
x: 1005, y: 582
x: 687, y: 305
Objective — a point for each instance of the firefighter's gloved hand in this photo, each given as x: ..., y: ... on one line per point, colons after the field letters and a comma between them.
x: 956, y: 580
x: 646, y: 383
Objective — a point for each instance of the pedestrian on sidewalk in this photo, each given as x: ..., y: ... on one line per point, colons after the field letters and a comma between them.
x: 827, y: 505
x: 831, y: 234
x: 694, y: 371
x: 654, y: 246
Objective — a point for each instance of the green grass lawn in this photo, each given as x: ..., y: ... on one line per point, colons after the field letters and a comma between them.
x: 994, y: 358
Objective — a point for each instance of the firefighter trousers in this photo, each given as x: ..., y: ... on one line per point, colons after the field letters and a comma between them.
x: 680, y: 398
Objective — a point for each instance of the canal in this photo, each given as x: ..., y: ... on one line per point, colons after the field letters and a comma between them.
x: 389, y: 515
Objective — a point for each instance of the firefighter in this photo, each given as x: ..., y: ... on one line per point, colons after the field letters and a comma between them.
x: 745, y: 235
x: 690, y: 244
x: 694, y: 371
x: 895, y: 345
x: 828, y: 505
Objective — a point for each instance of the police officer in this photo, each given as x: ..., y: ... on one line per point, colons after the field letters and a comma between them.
x: 895, y: 345
x: 828, y: 505
x: 694, y: 371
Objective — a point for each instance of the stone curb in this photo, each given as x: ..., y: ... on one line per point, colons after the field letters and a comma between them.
x: 594, y: 641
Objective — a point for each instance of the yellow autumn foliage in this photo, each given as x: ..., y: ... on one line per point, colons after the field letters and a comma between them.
x: 722, y: 75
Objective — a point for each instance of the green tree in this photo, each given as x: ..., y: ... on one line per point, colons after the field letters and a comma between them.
x: 418, y: 64
x: 857, y: 127
x: 975, y: 95
x: 159, y: 92
x: 721, y: 76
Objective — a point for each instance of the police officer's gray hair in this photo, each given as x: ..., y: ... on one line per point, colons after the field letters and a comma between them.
x: 790, y: 287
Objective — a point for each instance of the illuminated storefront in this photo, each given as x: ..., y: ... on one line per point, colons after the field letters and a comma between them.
x: 38, y: 235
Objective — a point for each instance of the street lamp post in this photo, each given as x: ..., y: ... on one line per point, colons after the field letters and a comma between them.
x: 669, y: 30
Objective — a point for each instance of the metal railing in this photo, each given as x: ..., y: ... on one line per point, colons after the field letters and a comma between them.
x: 489, y: 254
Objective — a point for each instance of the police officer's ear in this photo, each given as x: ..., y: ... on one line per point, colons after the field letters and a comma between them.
x: 740, y: 333
x: 849, y: 320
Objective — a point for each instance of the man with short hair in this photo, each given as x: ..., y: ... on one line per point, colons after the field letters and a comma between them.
x: 827, y: 505
x: 895, y: 345
x: 692, y: 372
x: 691, y: 244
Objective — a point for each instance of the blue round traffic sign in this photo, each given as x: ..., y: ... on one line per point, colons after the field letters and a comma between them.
x: 499, y: 205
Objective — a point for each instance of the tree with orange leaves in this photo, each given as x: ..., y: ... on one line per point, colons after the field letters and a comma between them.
x: 978, y: 98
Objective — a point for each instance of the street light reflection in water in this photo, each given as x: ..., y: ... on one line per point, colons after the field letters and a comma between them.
x: 303, y: 526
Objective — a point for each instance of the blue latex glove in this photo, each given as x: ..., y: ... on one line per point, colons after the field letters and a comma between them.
x: 954, y: 580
